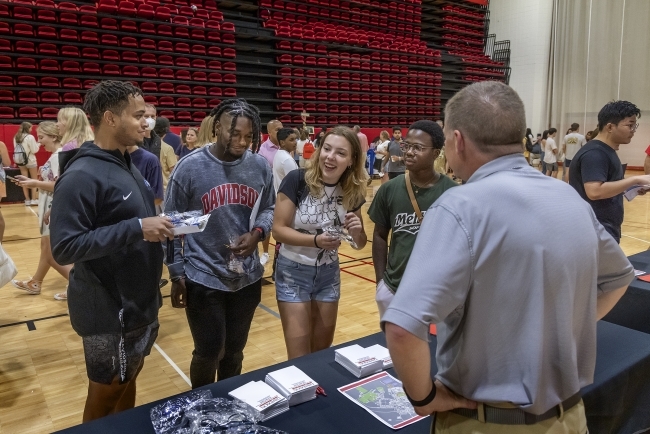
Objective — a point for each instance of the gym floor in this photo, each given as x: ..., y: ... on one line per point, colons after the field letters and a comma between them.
x: 42, y: 370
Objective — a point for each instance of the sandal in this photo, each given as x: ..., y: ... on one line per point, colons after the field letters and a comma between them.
x: 31, y: 286
x: 61, y: 296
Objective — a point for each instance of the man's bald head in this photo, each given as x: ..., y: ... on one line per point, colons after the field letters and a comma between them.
x: 272, y: 128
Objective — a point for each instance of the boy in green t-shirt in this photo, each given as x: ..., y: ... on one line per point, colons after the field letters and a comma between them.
x: 392, y: 210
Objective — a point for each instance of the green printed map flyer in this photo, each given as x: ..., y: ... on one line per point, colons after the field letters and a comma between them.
x: 382, y: 396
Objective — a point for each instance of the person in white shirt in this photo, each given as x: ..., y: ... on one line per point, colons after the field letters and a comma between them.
x: 573, y: 141
x: 380, y: 152
x: 283, y: 163
x: 300, y: 145
x: 25, y: 159
x: 550, y: 153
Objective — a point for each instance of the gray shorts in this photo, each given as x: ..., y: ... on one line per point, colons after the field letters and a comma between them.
x: 300, y: 283
x: 551, y: 166
x: 108, y: 356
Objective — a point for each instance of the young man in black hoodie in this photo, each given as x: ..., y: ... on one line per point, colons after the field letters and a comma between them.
x: 104, y: 223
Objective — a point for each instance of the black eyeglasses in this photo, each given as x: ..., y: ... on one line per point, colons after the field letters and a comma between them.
x: 417, y: 148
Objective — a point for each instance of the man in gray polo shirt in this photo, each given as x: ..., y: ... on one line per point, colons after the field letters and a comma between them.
x: 516, y: 314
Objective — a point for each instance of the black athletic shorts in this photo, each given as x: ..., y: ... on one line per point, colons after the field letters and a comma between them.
x: 110, y: 355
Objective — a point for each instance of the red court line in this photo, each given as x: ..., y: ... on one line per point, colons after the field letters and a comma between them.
x: 354, y: 265
x: 360, y: 277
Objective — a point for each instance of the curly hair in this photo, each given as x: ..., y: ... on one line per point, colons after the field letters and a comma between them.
x: 353, y: 180
x: 108, y: 95
x: 237, y: 107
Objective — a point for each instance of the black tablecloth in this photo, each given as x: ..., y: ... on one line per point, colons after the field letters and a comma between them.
x: 633, y: 310
x: 617, y: 402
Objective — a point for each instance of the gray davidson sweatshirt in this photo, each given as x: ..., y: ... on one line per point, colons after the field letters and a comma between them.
x: 228, y: 191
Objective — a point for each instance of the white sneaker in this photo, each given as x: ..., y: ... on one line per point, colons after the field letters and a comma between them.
x: 34, y: 202
x: 28, y: 202
x: 264, y: 258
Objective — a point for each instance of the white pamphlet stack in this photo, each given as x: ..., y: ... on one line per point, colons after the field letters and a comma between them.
x: 358, y: 360
x: 381, y: 353
x: 261, y: 397
x: 293, y: 384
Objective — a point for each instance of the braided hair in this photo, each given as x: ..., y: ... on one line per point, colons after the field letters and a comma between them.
x: 237, y: 107
x: 108, y: 95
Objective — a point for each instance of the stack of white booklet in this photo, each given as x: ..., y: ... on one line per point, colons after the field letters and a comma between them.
x: 261, y: 397
x: 293, y: 384
x: 381, y: 353
x: 358, y: 360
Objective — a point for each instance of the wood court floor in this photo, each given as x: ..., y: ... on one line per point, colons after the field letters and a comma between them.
x: 42, y: 371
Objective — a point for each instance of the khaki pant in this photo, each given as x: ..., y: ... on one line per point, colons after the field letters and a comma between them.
x: 573, y: 422
x: 383, y: 297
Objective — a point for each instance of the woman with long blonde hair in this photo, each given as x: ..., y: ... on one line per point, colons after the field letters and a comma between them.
x: 48, y: 136
x: 205, y: 132
x: 328, y: 194
x: 74, y: 128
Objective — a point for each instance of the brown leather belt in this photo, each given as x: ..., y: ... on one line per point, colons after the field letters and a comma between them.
x: 515, y: 416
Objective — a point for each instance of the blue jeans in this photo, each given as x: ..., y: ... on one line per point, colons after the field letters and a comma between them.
x: 300, y: 283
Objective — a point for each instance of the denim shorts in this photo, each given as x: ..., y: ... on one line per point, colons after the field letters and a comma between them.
x: 299, y: 283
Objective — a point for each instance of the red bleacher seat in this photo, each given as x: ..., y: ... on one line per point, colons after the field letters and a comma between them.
x: 146, y: 11
x: 166, y: 73
x: 71, y: 83
x: 72, y: 98
x: 89, y: 37
x: 22, y: 13
x: 28, y: 113
x: 6, y: 113
x: 67, y: 6
x: 89, y: 84
x: 181, y: 32
x: 130, y: 70
x: 49, y: 65
x: 73, y: 66
x: 46, y: 16
x: 128, y: 26
x: 7, y: 96
x: 23, y: 29
x: 26, y: 81
x: 86, y: 67
x: 167, y: 101
x: 107, y: 7
x: 126, y: 8
x: 107, y: 39
x: 68, y: 18
x: 167, y: 114
x: 162, y: 13
x: 27, y: 96
x: 166, y: 88
x: 130, y: 56
x: 148, y: 72
x: 50, y: 97
x: 149, y: 86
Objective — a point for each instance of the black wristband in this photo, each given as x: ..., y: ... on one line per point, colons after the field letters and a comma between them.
x: 425, y: 401
x: 177, y: 278
x: 315, y: 243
